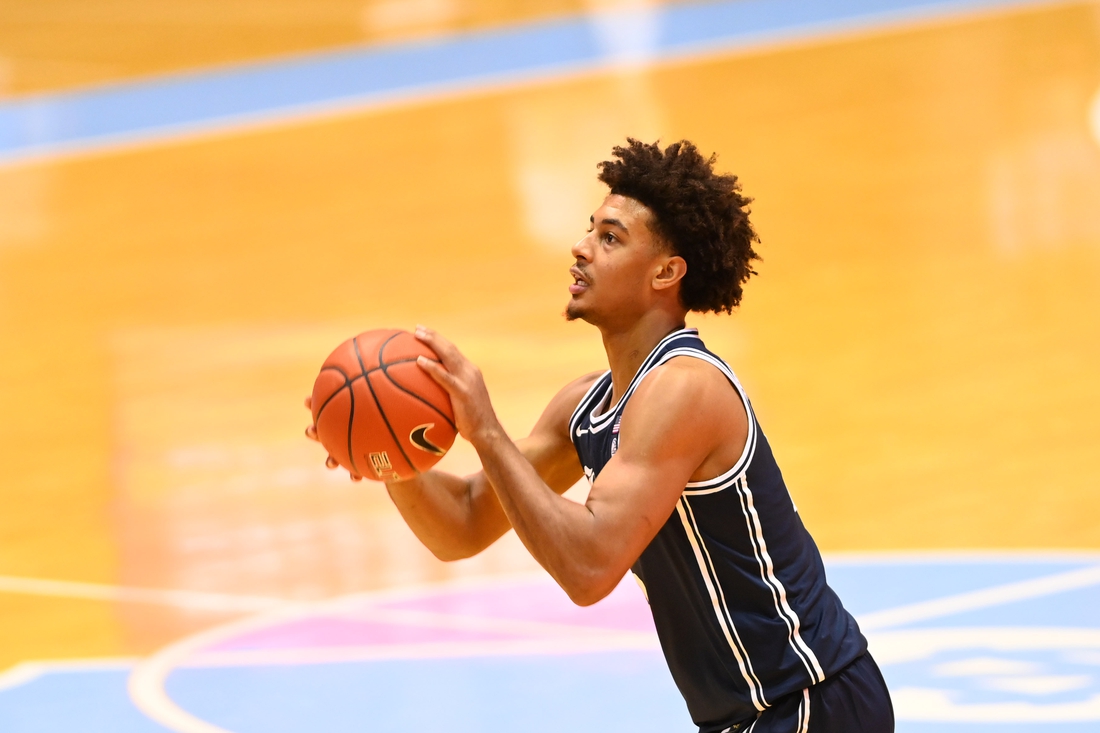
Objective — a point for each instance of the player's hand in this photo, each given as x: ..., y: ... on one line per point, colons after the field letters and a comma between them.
x: 474, y: 415
x: 311, y: 433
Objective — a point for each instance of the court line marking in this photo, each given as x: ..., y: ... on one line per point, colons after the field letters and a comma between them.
x: 931, y: 700
x: 907, y: 645
x: 958, y: 557
x: 198, y: 600
x: 146, y: 683
x: 464, y: 622
x: 983, y: 598
x: 147, y: 680
x: 205, y: 600
x: 225, y: 601
x: 846, y: 23
x: 25, y: 672
x: 561, y: 645
x: 148, y: 675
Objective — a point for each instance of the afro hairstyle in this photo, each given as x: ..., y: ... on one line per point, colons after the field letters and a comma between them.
x: 699, y: 214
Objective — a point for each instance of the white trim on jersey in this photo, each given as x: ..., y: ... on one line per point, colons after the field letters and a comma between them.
x: 718, y: 601
x: 583, y: 405
x: 779, y: 592
x: 727, y: 479
x: 804, y: 712
x: 603, y: 420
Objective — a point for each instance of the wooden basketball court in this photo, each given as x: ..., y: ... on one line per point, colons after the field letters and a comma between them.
x: 922, y: 345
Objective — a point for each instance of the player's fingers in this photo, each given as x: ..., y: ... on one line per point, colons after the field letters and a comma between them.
x: 309, y: 403
x: 311, y: 432
x: 447, y: 351
x: 331, y: 462
x: 355, y: 478
x: 445, y: 379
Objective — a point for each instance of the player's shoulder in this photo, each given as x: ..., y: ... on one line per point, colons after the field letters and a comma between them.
x: 683, y: 388
x: 682, y: 376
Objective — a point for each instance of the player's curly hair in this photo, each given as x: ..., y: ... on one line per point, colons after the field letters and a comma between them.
x: 700, y: 214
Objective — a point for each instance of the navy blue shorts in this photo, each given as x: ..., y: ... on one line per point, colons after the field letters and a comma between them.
x: 854, y: 700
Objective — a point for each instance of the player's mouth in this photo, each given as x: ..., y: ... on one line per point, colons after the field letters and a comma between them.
x: 580, y: 282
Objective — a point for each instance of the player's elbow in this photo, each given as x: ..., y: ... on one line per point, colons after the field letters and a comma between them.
x: 455, y: 548
x: 586, y: 598
x: 450, y: 554
x: 590, y: 588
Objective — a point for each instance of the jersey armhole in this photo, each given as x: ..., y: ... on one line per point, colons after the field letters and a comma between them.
x: 727, y: 478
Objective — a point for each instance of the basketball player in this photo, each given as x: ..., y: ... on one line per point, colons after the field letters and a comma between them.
x: 685, y: 490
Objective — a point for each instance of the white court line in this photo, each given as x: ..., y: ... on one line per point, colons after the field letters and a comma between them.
x: 907, y: 645
x: 198, y: 600
x: 251, y: 604
x: 611, y: 641
x: 845, y: 558
x: 146, y: 683
x: 984, y: 598
x: 147, y: 688
x: 461, y: 622
x: 25, y: 672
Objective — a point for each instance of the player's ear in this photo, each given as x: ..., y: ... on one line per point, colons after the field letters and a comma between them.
x: 671, y: 271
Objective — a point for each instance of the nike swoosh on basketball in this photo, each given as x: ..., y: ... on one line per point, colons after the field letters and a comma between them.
x: 419, y: 438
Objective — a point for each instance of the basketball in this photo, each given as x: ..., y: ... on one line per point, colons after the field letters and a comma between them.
x: 379, y: 414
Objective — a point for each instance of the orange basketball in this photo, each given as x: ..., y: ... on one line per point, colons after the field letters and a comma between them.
x: 378, y: 413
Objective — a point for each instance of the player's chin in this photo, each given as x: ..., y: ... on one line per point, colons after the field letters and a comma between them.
x: 574, y: 311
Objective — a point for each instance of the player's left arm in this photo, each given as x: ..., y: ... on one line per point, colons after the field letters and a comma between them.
x: 670, y: 427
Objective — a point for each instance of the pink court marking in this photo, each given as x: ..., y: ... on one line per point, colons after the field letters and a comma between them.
x: 338, y: 632
x: 624, y: 609
x: 487, y: 614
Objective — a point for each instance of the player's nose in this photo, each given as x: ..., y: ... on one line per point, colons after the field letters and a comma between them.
x: 580, y: 248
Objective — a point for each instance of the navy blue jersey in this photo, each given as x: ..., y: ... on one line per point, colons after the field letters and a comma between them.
x: 735, y: 582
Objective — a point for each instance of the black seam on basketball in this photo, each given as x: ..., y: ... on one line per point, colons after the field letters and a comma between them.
x: 377, y: 368
x: 347, y: 383
x: 381, y: 361
x: 355, y: 343
x: 414, y: 394
x: 351, y: 421
x: 397, y: 361
x: 382, y: 365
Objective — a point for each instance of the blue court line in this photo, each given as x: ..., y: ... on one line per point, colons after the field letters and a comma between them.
x: 250, y: 94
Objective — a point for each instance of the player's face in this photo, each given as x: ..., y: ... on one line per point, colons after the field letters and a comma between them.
x: 616, y: 263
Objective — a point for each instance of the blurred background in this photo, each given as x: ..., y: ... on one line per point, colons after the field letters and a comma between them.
x: 199, y: 200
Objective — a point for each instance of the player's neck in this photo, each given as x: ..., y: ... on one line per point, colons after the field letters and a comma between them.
x: 628, y: 348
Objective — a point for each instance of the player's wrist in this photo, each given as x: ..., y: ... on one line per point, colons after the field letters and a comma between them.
x: 487, y: 433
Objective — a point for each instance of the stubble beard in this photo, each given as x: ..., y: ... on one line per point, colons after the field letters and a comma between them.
x: 574, y: 312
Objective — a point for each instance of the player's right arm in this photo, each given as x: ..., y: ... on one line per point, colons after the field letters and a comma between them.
x: 457, y: 517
